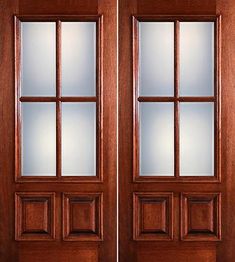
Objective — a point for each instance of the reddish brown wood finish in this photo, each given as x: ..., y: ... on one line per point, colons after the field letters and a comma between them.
x: 152, y: 216
x: 37, y: 221
x: 34, y: 216
x: 217, y: 195
x: 201, y: 216
x: 82, y: 216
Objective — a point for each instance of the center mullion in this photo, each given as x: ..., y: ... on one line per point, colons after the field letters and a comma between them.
x: 176, y: 101
x: 58, y: 99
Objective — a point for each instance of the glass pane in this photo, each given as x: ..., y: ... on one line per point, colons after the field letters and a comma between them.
x: 38, y: 76
x: 38, y: 139
x: 156, y: 44
x: 196, y: 58
x: 197, y: 139
x: 79, y: 139
x: 78, y: 58
x: 156, y: 139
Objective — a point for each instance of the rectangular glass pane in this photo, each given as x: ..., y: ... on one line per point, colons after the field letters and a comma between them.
x: 156, y: 139
x: 78, y: 58
x: 38, y: 59
x: 156, y: 54
x: 196, y: 139
x: 78, y: 139
x: 196, y: 58
x: 38, y: 139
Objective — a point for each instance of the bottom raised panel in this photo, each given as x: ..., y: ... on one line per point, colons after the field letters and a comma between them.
x: 34, y: 216
x: 82, y: 217
x: 200, y: 216
x: 153, y: 216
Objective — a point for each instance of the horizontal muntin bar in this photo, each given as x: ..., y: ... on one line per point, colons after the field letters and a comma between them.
x: 58, y: 99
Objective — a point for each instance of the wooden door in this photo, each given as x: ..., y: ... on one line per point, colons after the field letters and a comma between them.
x: 51, y: 210
x: 167, y: 213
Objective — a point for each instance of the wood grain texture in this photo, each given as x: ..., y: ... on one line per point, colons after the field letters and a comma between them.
x: 153, y: 216
x: 7, y: 247
x: 109, y: 82
x: 34, y: 216
x: 127, y: 250
x: 175, y: 250
x: 201, y: 217
x: 176, y: 7
x: 226, y: 251
x: 57, y: 250
x: 82, y: 216
x: 58, y: 7
x: 62, y: 254
x: 177, y: 255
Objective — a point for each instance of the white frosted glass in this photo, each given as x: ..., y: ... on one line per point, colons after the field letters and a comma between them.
x: 78, y: 58
x: 38, y: 139
x: 156, y: 139
x: 38, y: 64
x: 156, y: 52
x: 78, y: 139
x: 196, y: 139
x: 196, y: 58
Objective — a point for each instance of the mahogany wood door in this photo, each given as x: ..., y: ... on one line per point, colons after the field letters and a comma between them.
x: 172, y: 207
x: 58, y: 144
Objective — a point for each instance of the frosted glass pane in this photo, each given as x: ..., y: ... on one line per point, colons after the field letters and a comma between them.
x: 197, y: 139
x: 196, y: 58
x: 38, y: 139
x: 38, y: 65
x: 156, y: 47
x: 78, y: 58
x: 79, y: 139
x: 156, y: 139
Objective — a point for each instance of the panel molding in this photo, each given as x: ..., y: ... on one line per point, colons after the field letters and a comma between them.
x: 200, y: 216
x: 82, y: 216
x: 153, y: 216
x: 34, y: 216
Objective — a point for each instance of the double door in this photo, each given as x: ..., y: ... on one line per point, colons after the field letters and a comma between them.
x: 81, y: 149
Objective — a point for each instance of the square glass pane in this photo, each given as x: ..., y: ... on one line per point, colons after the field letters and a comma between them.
x: 38, y: 59
x: 78, y: 58
x: 79, y: 139
x: 156, y: 55
x: 38, y: 139
x: 197, y: 139
x: 196, y: 58
x: 157, y: 139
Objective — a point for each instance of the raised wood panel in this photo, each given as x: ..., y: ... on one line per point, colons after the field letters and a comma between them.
x: 153, y: 216
x: 200, y: 216
x: 32, y: 209
x: 82, y: 216
x: 34, y: 216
